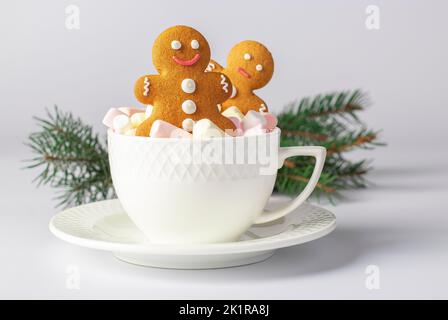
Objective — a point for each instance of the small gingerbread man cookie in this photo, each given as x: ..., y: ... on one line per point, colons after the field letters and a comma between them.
x: 249, y: 66
x: 183, y: 92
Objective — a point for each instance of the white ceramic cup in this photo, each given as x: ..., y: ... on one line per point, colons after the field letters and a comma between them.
x: 202, y: 191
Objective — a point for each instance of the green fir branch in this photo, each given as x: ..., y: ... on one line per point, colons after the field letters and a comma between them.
x: 332, y: 121
x: 73, y: 159
x: 343, y: 104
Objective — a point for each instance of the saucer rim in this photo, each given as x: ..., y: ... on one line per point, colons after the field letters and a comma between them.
x: 190, y: 249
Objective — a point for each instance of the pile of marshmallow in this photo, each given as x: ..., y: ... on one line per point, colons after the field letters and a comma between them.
x: 126, y: 120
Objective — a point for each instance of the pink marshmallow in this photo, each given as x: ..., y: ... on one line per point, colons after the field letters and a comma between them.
x: 253, y: 119
x: 130, y: 111
x: 271, y: 121
x: 238, y: 126
x: 254, y: 131
x: 163, y: 129
x: 110, y: 115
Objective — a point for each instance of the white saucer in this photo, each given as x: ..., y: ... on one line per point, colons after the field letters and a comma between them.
x: 104, y: 225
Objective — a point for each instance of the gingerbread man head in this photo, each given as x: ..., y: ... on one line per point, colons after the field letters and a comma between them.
x: 179, y: 47
x: 183, y: 93
x: 250, y: 66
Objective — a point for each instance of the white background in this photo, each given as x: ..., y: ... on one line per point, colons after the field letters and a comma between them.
x: 400, y: 223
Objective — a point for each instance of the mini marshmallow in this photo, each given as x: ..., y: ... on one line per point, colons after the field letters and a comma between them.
x: 130, y: 111
x: 108, y: 119
x: 233, y: 112
x: 137, y: 119
x: 253, y: 119
x: 163, y: 129
x: 130, y: 132
x: 205, y: 128
x: 271, y: 121
x: 121, y: 123
x: 238, y: 126
x: 254, y: 131
x: 148, y: 110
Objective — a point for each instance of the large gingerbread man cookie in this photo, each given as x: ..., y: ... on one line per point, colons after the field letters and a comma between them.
x: 250, y: 66
x: 183, y: 92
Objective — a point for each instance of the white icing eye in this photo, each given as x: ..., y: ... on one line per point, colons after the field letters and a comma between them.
x: 195, y: 44
x: 247, y: 56
x: 258, y: 67
x: 176, y: 45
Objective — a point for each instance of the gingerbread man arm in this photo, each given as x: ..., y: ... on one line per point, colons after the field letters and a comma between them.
x: 214, y: 66
x: 263, y: 106
x: 143, y: 89
x: 257, y: 104
x: 219, y: 86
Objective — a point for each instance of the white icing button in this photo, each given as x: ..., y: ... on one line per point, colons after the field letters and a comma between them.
x: 188, y: 85
x: 247, y: 56
x: 176, y: 45
x: 195, y: 44
x: 188, y: 124
x: 259, y: 67
x: 189, y: 107
x: 234, y: 92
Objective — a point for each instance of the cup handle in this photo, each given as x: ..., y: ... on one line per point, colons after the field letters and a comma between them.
x: 317, y: 152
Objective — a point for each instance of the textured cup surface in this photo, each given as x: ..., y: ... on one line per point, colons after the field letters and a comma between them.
x: 193, y: 191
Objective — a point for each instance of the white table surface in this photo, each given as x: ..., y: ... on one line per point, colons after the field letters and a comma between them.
x: 399, y: 224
